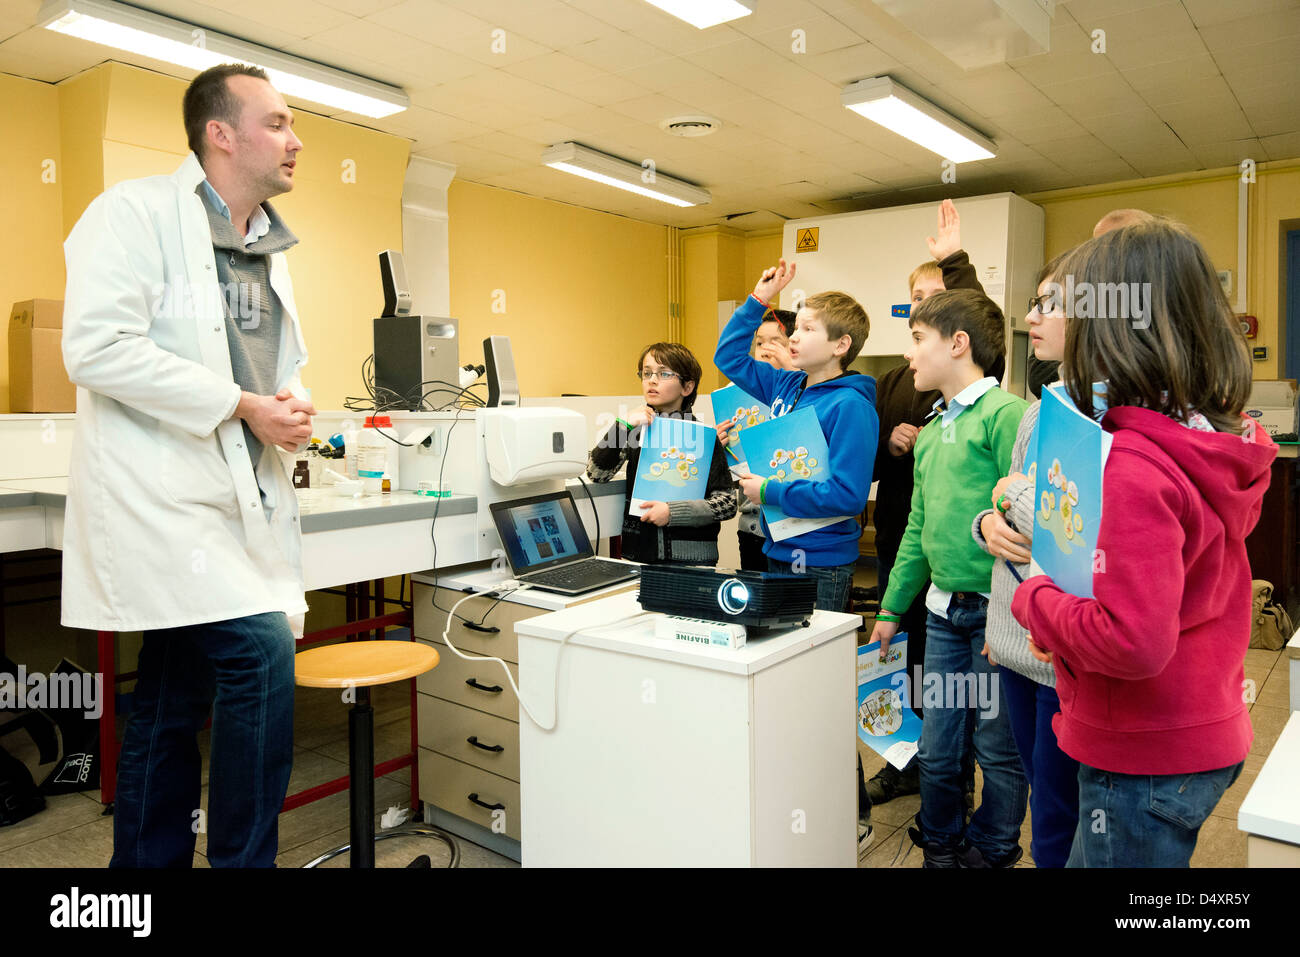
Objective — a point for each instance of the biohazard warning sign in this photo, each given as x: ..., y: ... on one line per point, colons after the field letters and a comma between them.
x: 805, y: 240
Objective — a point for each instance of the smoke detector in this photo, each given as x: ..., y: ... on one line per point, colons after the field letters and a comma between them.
x: 690, y: 125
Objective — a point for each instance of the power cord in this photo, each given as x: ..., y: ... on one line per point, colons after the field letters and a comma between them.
x: 501, y: 591
x: 594, y: 511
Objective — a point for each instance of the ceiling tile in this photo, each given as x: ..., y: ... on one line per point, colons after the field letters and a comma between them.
x: 1282, y: 145
x: 1209, y: 13
x: 302, y: 18
x: 616, y: 51
x: 1249, y: 31
x: 431, y: 22
x: 1212, y: 118
x: 1212, y: 155
x: 602, y: 90
x: 851, y: 63
x: 1099, y: 96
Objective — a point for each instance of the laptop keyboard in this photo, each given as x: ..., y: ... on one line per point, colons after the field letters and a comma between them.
x: 590, y: 573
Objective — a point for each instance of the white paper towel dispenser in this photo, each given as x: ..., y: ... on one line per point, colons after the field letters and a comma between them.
x: 525, y: 445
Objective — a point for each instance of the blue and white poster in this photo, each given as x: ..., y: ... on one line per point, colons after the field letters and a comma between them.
x: 1069, y: 463
x: 733, y: 402
x: 674, y: 462
x: 790, y: 449
x: 886, y: 722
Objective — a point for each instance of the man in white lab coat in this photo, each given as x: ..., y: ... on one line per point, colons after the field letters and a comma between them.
x: 181, y: 333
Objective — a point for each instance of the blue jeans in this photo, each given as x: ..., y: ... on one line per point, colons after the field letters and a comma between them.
x: 834, y: 582
x: 1143, y: 820
x: 953, y: 659
x: 1053, y: 775
x: 241, y: 670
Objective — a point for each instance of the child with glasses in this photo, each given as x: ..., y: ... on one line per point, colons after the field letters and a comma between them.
x: 684, y: 532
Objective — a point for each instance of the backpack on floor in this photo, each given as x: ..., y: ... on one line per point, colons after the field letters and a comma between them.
x: 1270, y: 625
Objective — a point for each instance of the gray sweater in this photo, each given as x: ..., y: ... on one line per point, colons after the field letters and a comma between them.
x: 1005, y: 635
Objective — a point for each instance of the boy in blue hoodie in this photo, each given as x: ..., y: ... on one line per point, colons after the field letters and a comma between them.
x: 829, y: 332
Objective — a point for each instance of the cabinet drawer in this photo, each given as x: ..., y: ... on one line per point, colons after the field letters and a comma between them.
x: 430, y: 622
x: 449, y: 682
x: 455, y: 786
x: 447, y: 728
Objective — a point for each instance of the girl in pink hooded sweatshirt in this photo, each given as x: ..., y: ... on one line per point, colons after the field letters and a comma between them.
x: 1150, y: 671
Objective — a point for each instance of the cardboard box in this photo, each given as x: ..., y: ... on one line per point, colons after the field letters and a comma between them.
x: 38, y: 382
x: 1272, y: 404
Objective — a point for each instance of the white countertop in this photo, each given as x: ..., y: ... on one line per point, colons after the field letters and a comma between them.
x: 1272, y: 806
x: 477, y: 578
x: 600, y: 624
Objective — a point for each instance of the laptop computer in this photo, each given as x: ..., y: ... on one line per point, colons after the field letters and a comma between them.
x: 548, y: 548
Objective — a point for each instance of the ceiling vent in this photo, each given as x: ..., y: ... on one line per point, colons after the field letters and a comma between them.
x: 690, y: 125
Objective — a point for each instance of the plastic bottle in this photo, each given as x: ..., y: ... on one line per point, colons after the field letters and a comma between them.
x: 377, y: 453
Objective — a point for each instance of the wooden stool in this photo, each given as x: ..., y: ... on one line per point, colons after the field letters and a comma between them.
x: 358, y: 665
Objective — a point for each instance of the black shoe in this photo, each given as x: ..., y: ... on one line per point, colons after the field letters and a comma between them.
x: 971, y: 857
x: 421, y: 862
x: 889, y: 783
x: 936, y: 855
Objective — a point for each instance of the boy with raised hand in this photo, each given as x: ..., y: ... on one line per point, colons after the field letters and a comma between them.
x: 956, y: 336
x: 829, y: 332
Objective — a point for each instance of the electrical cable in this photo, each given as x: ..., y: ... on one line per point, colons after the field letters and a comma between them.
x: 596, y: 550
x: 555, y: 696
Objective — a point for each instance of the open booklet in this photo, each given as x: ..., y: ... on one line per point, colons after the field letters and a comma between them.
x: 674, y: 462
x: 733, y: 402
x: 789, y: 449
x: 886, y: 722
x: 1069, y: 461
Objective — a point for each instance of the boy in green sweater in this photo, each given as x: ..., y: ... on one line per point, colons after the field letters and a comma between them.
x: 956, y: 336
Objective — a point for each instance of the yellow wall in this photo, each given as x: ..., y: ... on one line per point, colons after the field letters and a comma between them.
x: 118, y: 122
x: 582, y: 291
x: 1207, y: 203
x: 31, y: 258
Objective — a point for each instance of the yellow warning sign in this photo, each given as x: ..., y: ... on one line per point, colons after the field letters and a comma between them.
x: 806, y: 239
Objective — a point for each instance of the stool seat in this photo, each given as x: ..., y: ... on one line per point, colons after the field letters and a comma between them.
x: 362, y: 663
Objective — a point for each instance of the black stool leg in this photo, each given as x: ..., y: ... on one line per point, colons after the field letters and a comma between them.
x: 361, y: 790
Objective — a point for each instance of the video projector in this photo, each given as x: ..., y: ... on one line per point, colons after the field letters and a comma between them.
x: 752, y: 599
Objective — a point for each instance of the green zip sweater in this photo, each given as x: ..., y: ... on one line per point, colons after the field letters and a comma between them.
x: 956, y: 469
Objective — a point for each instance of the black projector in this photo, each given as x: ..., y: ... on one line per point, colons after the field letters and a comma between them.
x: 752, y: 599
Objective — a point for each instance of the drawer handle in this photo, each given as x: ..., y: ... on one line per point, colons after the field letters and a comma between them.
x: 491, y: 807
x: 473, y: 739
x: 485, y: 629
x: 491, y: 689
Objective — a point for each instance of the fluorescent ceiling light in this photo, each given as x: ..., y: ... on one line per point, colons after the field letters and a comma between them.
x: 897, y: 108
x: 173, y: 41
x: 705, y: 13
x: 612, y: 171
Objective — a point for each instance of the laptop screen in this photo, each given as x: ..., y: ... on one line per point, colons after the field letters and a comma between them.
x: 541, y: 531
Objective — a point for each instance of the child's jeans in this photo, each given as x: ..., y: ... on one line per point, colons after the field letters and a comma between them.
x: 954, y: 664
x: 1143, y: 820
x: 834, y: 582
x: 1053, y: 775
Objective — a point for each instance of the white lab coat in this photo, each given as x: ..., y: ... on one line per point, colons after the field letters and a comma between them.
x: 164, y: 524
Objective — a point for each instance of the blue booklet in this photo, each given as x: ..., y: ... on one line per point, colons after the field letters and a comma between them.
x: 886, y: 722
x: 1069, y: 462
x: 733, y: 402
x: 787, y: 449
x: 674, y: 462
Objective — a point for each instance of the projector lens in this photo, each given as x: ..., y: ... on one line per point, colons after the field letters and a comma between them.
x: 733, y: 596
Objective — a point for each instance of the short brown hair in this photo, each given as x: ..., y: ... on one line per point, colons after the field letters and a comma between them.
x: 1119, y: 218
x: 679, y: 359
x: 924, y: 271
x: 208, y: 97
x: 1186, y: 354
x: 971, y: 312
x: 842, y: 315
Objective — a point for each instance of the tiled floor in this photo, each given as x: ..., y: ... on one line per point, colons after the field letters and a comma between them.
x: 1219, y: 844
x: 71, y: 831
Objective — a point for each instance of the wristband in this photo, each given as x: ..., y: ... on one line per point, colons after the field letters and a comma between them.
x: 623, y: 422
x: 760, y: 301
x: 1004, y: 503
x: 762, y: 492
x: 893, y: 619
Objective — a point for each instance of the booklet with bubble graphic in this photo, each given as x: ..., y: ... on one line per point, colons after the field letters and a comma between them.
x: 733, y: 402
x: 674, y: 462
x: 1067, y: 471
x: 787, y: 449
x: 886, y: 722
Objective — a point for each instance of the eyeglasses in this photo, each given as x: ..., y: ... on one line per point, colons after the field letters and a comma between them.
x: 663, y: 375
x: 1042, y: 304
